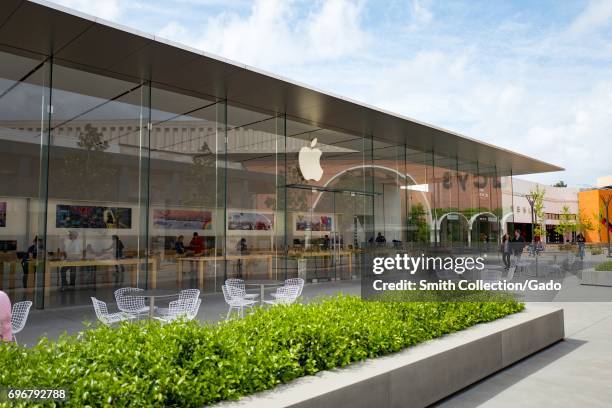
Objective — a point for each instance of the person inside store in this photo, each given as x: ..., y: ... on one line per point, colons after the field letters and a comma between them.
x: 179, y: 245
x: 6, y: 333
x: 380, y: 239
x: 196, y: 244
x: 326, y: 242
x: 30, y: 257
x: 242, y: 249
x: 72, y: 251
x: 116, y: 250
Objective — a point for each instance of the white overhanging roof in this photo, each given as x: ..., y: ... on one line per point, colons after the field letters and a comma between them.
x: 93, y: 44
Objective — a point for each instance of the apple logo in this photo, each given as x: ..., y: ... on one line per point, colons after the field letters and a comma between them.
x: 310, y: 162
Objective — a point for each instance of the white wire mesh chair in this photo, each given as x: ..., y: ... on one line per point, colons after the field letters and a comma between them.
x: 522, y: 265
x: 233, y: 297
x: 108, y: 318
x: 297, y: 282
x: 241, y: 287
x: 181, y: 309
x: 19, y: 315
x: 189, y: 294
x: 194, y: 310
x: 284, y: 295
x: 185, y: 294
x: 133, y: 305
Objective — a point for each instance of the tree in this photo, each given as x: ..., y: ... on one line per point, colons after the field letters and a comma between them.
x: 560, y: 183
x: 537, y: 196
x: 197, y: 180
x: 584, y: 222
x: 596, y: 217
x: 91, y: 174
x: 417, y: 224
x: 567, y: 222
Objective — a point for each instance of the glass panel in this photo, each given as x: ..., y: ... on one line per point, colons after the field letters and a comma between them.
x: 24, y: 95
x: 255, y: 225
x: 187, y: 185
x: 419, y: 197
x: 389, y: 174
x: 94, y: 233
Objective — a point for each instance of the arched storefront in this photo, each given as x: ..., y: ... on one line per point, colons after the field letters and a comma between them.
x: 484, y: 229
x: 453, y: 229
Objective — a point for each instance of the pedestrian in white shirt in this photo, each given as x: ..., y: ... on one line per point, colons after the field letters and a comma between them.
x: 73, y: 251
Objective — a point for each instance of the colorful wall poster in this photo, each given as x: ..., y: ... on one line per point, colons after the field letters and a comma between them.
x: 182, y: 219
x: 85, y: 216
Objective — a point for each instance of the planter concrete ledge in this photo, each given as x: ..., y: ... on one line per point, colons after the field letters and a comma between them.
x: 599, y: 278
x: 424, y: 374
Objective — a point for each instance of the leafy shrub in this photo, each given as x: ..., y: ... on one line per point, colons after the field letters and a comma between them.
x: 188, y: 364
x: 596, y: 251
x: 604, y: 266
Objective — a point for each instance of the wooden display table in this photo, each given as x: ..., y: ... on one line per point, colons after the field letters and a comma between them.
x: 135, y: 262
x: 325, y: 254
x: 202, y: 260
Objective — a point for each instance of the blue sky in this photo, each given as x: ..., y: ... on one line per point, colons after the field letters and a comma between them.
x: 532, y: 76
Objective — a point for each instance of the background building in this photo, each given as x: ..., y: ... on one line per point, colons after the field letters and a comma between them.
x: 555, y: 199
x: 593, y: 205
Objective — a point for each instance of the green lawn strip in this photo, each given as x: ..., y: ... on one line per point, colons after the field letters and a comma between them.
x: 189, y: 364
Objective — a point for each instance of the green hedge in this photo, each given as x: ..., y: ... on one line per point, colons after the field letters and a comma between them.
x: 187, y: 364
x: 604, y: 266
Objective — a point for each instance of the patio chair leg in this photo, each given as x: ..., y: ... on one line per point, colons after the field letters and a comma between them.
x: 228, y: 313
x: 15, y: 339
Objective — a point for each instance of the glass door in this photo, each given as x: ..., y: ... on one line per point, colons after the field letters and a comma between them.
x: 326, y: 229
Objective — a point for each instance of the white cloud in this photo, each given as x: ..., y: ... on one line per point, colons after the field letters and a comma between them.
x: 272, y: 34
x: 419, y: 13
x: 106, y: 9
x: 597, y: 13
x: 334, y: 30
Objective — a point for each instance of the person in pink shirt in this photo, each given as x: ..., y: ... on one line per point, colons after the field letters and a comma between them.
x: 5, y: 317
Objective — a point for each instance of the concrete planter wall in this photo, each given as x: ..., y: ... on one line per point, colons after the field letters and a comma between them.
x: 600, y: 278
x: 422, y: 375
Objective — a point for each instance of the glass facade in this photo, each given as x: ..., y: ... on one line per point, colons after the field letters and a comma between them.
x: 110, y: 182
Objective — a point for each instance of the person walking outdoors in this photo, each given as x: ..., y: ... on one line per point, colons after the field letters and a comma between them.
x: 581, y: 241
x: 6, y: 332
x: 505, y: 250
x: 517, y: 244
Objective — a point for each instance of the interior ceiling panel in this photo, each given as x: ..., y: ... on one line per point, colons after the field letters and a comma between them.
x: 42, y: 27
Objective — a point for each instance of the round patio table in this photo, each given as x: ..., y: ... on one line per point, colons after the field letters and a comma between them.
x: 262, y: 285
x: 151, y: 294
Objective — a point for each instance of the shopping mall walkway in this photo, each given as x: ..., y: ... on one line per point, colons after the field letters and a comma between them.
x: 576, y: 372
